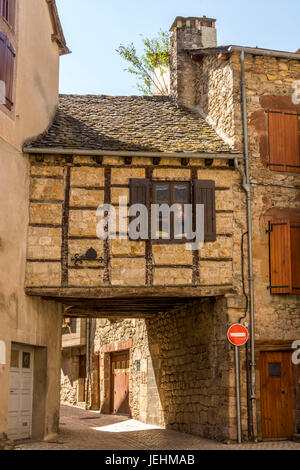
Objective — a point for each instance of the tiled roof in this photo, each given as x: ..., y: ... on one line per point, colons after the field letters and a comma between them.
x: 128, y: 123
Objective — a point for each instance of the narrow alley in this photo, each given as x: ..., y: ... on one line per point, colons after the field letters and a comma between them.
x: 87, y: 430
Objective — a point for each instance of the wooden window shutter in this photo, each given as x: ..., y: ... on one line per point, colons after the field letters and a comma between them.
x: 7, y: 58
x: 9, y: 74
x: 280, y: 257
x: 292, y: 146
x: 295, y: 257
x: 284, y: 148
x: 2, y: 56
x: 140, y: 191
x: 204, y: 193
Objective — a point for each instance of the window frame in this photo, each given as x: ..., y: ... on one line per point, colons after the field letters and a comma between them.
x: 171, y: 201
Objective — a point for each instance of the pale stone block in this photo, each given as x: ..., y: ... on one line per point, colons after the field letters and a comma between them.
x: 212, y: 272
x: 45, y: 170
x: 127, y: 271
x: 222, y: 178
x: 171, y: 174
x: 127, y: 247
x: 43, y: 274
x: 86, y: 197
x: 116, y: 193
x: 221, y: 248
x: 83, y: 223
x: 43, y: 213
x: 44, y: 243
x: 47, y: 189
x: 172, y: 254
x: 86, y: 277
x: 87, y: 176
x: 172, y: 276
x: 123, y: 175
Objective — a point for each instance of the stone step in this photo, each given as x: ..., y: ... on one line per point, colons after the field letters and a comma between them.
x: 296, y: 437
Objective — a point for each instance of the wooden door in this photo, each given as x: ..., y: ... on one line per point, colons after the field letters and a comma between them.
x: 120, y: 383
x: 276, y: 388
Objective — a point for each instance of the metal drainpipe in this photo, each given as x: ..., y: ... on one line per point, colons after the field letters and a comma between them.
x: 247, y: 189
x: 87, y: 362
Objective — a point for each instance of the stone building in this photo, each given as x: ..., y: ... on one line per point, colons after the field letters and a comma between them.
x: 156, y: 313
x: 31, y: 42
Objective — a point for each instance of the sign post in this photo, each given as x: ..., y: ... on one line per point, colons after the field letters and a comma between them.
x: 238, y: 335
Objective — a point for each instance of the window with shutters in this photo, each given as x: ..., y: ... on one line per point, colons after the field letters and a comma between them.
x: 284, y: 141
x: 284, y: 245
x: 7, y: 58
x: 142, y: 191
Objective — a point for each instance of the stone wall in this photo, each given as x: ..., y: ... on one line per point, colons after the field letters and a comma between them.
x: 186, y: 376
x: 214, y: 96
x: 69, y: 378
x: 112, y: 336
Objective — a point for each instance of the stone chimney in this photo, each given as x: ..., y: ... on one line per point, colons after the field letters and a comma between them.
x: 188, y: 33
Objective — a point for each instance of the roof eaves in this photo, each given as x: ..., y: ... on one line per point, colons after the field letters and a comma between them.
x: 250, y: 50
x: 58, y: 35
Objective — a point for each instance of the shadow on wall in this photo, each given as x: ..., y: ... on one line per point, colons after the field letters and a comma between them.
x: 191, y: 362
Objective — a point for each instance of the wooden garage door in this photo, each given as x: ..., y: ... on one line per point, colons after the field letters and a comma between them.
x: 277, y: 409
x: 120, y: 383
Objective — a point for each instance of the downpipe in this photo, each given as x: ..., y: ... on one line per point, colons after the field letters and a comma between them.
x: 88, y: 365
x: 247, y: 188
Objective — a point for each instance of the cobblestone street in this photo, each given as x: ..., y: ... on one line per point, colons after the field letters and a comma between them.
x: 87, y: 430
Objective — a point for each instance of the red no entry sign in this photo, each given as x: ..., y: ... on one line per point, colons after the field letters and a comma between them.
x: 237, y: 335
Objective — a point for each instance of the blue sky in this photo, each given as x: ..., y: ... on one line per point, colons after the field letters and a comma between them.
x: 95, y: 28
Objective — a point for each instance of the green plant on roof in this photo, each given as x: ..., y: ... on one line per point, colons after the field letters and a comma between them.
x: 151, y: 66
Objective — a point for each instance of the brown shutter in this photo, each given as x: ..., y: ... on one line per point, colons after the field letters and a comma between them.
x: 295, y: 256
x: 2, y: 56
x: 280, y: 257
x: 204, y: 193
x: 140, y: 192
x: 284, y: 147
x: 9, y: 74
x: 276, y: 141
x: 292, y: 154
x: 7, y: 58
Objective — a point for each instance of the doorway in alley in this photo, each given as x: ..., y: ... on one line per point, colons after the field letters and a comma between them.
x: 276, y: 388
x: 120, y: 383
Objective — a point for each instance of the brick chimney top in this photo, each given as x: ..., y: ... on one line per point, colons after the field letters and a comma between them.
x: 188, y: 34
x: 194, y: 32
x: 193, y: 22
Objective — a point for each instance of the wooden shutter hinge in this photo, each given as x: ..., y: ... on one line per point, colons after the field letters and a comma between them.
x: 277, y: 287
x: 270, y: 230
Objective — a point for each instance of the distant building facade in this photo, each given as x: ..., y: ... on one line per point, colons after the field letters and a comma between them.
x: 31, y: 42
